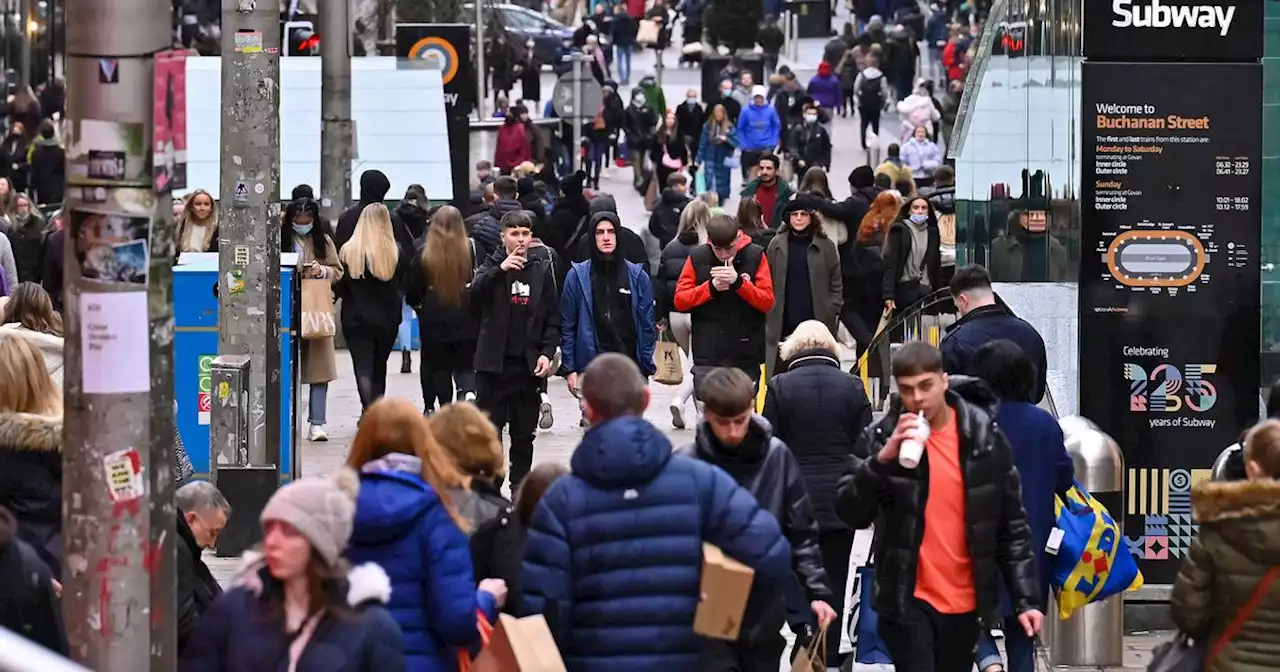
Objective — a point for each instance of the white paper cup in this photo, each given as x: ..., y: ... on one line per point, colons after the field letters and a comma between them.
x: 909, y: 453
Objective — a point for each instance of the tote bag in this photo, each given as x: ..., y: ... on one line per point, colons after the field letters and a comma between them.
x: 666, y: 357
x: 317, y: 310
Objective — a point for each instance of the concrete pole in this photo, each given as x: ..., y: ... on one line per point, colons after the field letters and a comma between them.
x: 482, y: 75
x: 117, y: 509
x: 335, y: 108
x: 249, y: 204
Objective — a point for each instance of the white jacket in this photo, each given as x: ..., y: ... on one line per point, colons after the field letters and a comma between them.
x: 50, y: 346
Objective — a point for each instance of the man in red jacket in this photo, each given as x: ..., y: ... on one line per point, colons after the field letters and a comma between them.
x: 726, y: 287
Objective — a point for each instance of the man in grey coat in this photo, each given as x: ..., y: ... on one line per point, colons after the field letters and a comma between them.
x: 805, y: 266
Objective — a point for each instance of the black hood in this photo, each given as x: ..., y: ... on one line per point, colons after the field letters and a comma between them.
x: 374, y: 186
x: 750, y: 452
x: 595, y: 220
x: 671, y: 197
x: 603, y: 203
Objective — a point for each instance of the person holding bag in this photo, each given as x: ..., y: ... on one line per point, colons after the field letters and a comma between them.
x: 303, y: 231
x: 1226, y: 596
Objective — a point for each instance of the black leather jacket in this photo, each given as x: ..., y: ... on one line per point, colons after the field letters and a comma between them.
x: 894, y: 498
x: 765, y: 467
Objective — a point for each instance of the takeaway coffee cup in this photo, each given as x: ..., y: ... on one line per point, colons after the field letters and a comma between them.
x: 913, y: 446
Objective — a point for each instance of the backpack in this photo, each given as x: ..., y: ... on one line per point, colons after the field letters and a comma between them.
x: 871, y: 92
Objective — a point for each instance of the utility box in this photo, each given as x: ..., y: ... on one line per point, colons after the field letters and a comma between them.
x: 229, y: 414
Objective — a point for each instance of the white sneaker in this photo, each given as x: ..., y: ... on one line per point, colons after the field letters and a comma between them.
x: 545, y: 419
x: 317, y: 433
x: 677, y: 416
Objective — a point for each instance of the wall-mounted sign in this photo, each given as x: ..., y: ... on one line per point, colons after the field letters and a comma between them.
x: 1169, y: 30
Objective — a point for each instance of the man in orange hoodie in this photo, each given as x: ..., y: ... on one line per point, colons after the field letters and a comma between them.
x: 726, y: 287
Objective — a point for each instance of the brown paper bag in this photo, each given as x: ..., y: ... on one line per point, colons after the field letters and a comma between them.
x: 812, y: 658
x: 317, y: 310
x: 725, y: 586
x: 520, y: 645
x: 666, y: 357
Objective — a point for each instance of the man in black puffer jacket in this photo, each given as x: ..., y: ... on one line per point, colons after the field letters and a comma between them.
x: 948, y: 530
x: 488, y: 231
x: 734, y: 438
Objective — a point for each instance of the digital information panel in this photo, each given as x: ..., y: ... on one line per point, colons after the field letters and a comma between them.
x: 1169, y: 281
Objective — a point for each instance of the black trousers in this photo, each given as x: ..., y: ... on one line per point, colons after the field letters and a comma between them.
x: 924, y: 640
x: 761, y: 655
x: 511, y: 400
x: 369, y: 349
x: 444, y: 365
x: 869, y: 116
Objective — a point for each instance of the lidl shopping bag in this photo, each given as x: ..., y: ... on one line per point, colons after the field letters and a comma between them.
x: 871, y: 650
x: 1092, y: 561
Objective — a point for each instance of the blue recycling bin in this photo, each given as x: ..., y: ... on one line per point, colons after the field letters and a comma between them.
x: 195, y: 345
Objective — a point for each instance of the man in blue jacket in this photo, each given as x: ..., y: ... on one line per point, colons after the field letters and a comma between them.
x: 759, y: 130
x: 614, y: 551
x: 606, y: 305
x: 984, y: 318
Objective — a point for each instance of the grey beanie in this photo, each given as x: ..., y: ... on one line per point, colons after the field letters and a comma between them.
x: 321, y: 508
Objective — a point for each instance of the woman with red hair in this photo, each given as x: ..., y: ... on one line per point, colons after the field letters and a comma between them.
x: 863, y: 294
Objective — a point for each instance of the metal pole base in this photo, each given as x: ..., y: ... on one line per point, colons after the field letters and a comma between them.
x: 247, y: 489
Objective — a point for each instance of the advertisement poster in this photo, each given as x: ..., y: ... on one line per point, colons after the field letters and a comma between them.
x: 1173, y: 30
x: 170, y: 121
x: 1169, y: 282
x: 109, y: 154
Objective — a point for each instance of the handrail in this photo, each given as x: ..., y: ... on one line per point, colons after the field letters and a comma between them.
x: 914, y: 311
x: 19, y: 654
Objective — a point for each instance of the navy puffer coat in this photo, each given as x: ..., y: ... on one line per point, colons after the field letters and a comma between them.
x: 613, y: 556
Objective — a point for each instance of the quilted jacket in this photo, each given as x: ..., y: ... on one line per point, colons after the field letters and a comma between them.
x: 1239, y: 540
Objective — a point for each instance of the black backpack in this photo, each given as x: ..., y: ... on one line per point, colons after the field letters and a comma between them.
x: 871, y: 92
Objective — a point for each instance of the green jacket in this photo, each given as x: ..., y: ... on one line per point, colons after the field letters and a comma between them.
x: 1239, y: 540
x: 785, y: 192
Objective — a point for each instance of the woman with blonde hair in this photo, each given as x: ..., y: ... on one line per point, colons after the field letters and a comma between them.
x: 436, y: 287
x: 406, y: 522
x: 820, y: 410
x: 31, y: 447
x: 497, y: 539
x: 198, y: 227
x: 29, y: 314
x: 691, y: 234
x: 370, y: 291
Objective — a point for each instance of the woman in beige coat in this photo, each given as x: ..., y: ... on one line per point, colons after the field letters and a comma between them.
x: 801, y: 253
x: 303, y: 231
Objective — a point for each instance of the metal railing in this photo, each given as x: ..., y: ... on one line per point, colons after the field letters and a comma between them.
x: 19, y: 654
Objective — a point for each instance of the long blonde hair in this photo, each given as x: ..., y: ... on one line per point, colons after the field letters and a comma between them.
x: 694, y: 218
x: 373, y: 245
x: 446, y: 256
x: 25, y: 384
x: 396, y: 426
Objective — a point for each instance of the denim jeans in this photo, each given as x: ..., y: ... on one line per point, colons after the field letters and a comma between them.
x: 319, y: 400
x: 622, y: 57
x: 1020, y: 650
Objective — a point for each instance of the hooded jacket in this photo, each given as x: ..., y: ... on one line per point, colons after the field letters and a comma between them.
x: 243, y: 630
x: 613, y: 556
x: 48, y: 171
x: 820, y: 411
x: 374, y: 186
x: 728, y: 326
x: 665, y: 220
x: 578, y: 342
x: 31, y: 481
x: 894, y: 498
x: 824, y: 87
x: 759, y: 128
x: 28, y: 605
x: 764, y: 465
x: 402, y: 525
x: 1239, y: 540
x: 630, y: 245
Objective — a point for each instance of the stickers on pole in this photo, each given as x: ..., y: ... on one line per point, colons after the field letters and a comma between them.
x: 248, y: 41
x: 109, y: 154
x: 123, y: 471
x: 169, y: 121
x: 115, y: 342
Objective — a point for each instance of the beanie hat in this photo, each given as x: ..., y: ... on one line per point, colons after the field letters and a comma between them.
x: 321, y: 508
x: 303, y: 191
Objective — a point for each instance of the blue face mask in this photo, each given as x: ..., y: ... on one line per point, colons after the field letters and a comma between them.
x: 919, y: 219
x: 302, y: 229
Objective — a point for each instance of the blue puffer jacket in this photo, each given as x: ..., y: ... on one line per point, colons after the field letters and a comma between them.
x: 402, y: 525
x: 613, y: 556
x: 578, y: 345
x: 759, y: 127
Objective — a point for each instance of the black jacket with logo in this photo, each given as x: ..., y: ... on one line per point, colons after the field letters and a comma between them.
x: 491, y: 294
x: 894, y: 497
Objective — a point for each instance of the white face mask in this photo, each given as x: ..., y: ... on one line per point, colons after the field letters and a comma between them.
x: 811, y: 118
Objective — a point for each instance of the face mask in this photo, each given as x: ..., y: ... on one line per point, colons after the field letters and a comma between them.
x: 919, y: 219
x: 691, y: 101
x: 811, y: 118
x: 726, y: 92
x: 302, y: 229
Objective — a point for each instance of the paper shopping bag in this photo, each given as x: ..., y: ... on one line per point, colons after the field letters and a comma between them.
x: 520, y: 645
x: 666, y: 357
x: 317, y: 310
x: 725, y: 585
x: 813, y: 657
